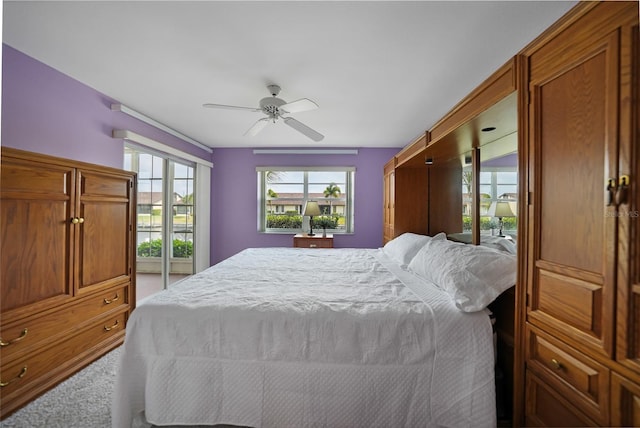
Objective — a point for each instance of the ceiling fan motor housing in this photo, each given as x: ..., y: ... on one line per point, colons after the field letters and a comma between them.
x: 270, y: 105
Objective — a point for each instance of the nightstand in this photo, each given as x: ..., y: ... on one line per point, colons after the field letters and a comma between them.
x: 302, y: 240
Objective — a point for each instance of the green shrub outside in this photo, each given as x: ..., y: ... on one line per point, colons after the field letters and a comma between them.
x: 294, y: 221
x: 466, y: 222
x: 181, y: 249
x: 510, y: 223
x: 286, y: 221
x: 488, y: 223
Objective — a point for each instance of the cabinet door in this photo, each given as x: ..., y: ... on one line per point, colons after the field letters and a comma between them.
x: 389, y: 201
x: 104, y: 229
x: 36, y: 208
x: 628, y: 320
x: 625, y: 400
x: 574, y: 141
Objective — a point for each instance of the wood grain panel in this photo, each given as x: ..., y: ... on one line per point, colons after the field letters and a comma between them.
x: 628, y: 339
x: 411, y: 195
x: 571, y: 301
x: 625, y: 399
x: 51, y: 325
x: 572, y: 214
x: 103, y: 247
x: 35, y: 258
x: 25, y: 177
x: 590, y: 21
x: 313, y: 241
x: 571, y: 373
x: 575, y: 134
x: 103, y: 186
x: 35, y: 246
x: 545, y: 407
x: 55, y: 362
x: 445, y: 190
x: 413, y: 154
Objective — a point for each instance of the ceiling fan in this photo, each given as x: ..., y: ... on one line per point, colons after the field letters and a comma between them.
x: 275, y: 108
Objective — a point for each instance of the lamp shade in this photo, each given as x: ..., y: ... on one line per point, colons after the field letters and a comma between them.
x: 311, y: 208
x: 500, y: 209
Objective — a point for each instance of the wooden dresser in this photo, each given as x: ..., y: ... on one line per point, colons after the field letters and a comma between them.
x: 67, y: 274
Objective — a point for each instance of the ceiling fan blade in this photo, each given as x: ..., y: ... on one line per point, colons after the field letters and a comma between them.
x: 301, y: 127
x: 303, y: 104
x: 257, y: 127
x: 208, y: 105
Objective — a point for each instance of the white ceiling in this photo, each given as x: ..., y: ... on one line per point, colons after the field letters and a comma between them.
x: 382, y: 72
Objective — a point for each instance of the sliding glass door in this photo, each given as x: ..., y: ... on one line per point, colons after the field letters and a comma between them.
x: 165, y: 227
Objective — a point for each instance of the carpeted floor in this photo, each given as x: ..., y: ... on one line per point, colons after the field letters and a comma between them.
x: 82, y: 401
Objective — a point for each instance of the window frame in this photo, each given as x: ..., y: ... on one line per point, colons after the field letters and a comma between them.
x: 348, y: 195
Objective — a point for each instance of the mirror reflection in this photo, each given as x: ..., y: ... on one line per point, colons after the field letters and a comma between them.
x: 467, y: 193
x: 498, y: 188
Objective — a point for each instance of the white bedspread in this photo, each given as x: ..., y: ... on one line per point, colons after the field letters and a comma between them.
x: 293, y: 337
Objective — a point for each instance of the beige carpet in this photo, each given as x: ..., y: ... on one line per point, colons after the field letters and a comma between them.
x: 82, y: 401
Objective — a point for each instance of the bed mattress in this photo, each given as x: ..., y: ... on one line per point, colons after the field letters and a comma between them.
x: 293, y: 337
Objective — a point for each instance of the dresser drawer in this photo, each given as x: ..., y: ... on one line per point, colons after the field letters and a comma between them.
x: 313, y: 241
x: 575, y: 376
x: 52, y: 363
x: 34, y: 332
x: 546, y: 407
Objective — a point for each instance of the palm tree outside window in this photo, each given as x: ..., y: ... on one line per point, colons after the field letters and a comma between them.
x: 283, y: 191
x: 332, y: 191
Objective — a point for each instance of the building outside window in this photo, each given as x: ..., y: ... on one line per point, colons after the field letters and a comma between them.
x: 283, y: 192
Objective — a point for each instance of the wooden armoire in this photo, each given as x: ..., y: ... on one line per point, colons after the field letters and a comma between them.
x: 67, y: 276
x: 580, y: 300
x: 572, y: 326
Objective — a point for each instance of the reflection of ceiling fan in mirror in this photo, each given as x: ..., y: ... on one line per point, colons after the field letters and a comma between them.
x: 275, y: 108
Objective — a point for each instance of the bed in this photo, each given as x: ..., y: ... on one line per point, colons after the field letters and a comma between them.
x: 294, y: 337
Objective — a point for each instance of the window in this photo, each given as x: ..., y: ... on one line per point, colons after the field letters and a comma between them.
x: 496, y: 184
x: 283, y: 192
x: 165, y: 212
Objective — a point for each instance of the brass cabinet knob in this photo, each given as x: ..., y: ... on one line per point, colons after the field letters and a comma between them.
x: 556, y: 364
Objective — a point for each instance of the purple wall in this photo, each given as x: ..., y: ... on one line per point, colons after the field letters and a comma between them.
x: 45, y: 111
x: 234, y: 204
x: 48, y: 112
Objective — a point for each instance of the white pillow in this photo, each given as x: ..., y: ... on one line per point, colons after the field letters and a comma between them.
x: 471, y: 274
x: 404, y: 247
x: 499, y: 243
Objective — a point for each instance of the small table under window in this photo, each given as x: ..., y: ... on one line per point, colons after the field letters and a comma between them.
x: 302, y: 240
